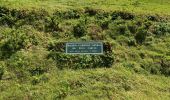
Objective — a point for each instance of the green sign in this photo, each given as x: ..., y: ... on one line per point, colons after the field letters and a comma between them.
x: 84, y: 48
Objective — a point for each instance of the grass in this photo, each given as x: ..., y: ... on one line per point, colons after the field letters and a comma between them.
x: 136, y: 6
x: 103, y: 84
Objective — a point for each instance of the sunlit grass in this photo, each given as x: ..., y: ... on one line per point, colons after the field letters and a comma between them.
x: 136, y: 6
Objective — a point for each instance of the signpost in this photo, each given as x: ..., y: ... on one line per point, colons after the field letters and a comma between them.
x: 84, y: 48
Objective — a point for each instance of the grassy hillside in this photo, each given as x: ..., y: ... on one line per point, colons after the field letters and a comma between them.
x: 137, y: 6
x: 135, y: 64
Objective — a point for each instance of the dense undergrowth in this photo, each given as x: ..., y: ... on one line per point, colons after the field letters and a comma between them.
x: 32, y: 52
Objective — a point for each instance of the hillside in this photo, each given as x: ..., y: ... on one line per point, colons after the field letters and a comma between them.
x: 135, y: 64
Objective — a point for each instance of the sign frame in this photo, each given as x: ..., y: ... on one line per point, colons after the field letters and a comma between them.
x: 101, y: 43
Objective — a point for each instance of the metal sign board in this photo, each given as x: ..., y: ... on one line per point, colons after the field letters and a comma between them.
x: 84, y: 48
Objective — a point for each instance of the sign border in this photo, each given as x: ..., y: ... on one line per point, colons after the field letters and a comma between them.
x: 85, y: 53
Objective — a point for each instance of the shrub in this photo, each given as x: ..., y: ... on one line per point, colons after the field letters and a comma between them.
x: 165, y: 67
x: 153, y: 18
x: 119, y: 27
x: 1, y: 69
x: 105, y: 24
x: 124, y: 15
x: 80, y: 29
x: 35, y: 15
x: 25, y: 64
x: 56, y: 46
x: 16, y: 40
x: 3, y: 11
x: 102, y: 15
x: 8, y: 20
x: 82, y: 61
x: 13, y: 17
x: 91, y: 11
x: 151, y: 67
x: 160, y: 67
x: 94, y: 32
x: 141, y: 35
x: 71, y: 14
x: 147, y: 24
x: 132, y: 27
x: 52, y: 24
x: 132, y: 42
x: 161, y: 29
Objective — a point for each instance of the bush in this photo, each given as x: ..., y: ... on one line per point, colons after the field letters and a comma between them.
x: 162, y: 66
x: 151, y: 67
x: 165, y: 67
x: 16, y: 40
x: 3, y: 11
x: 15, y: 18
x: 119, y: 27
x: 140, y: 35
x: 82, y: 61
x: 153, y: 18
x: 104, y: 24
x: 91, y: 11
x: 8, y: 20
x: 80, y: 29
x: 132, y: 27
x: 25, y: 64
x: 34, y: 15
x: 161, y: 29
x: 1, y: 69
x: 132, y: 42
x: 69, y: 14
x: 124, y: 15
x: 102, y: 15
x: 52, y: 24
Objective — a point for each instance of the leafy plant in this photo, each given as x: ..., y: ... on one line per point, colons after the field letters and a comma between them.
x: 161, y: 29
x: 80, y: 29
x: 1, y: 69
x: 141, y: 35
x: 16, y: 40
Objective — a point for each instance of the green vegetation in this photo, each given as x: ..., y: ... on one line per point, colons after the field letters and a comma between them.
x: 135, y: 64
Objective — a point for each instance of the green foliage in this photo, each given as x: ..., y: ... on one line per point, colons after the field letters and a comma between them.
x: 16, y: 40
x: 122, y: 14
x: 52, y: 24
x: 118, y: 27
x: 153, y: 18
x: 8, y: 20
x: 82, y: 61
x: 165, y: 67
x: 33, y: 68
x: 71, y: 14
x: 24, y: 64
x: 161, y: 29
x: 104, y: 24
x: 132, y: 27
x: 1, y: 69
x: 91, y: 11
x: 80, y: 29
x: 141, y: 35
x: 136, y: 3
x: 132, y: 42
